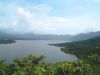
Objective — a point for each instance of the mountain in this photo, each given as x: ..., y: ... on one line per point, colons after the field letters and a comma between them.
x: 85, y: 36
x: 82, y: 48
x: 31, y: 36
x: 90, y: 42
x: 4, y: 35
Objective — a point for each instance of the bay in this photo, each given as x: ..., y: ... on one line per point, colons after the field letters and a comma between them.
x: 35, y: 47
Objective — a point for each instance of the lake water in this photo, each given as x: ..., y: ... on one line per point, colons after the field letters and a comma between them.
x: 35, y: 47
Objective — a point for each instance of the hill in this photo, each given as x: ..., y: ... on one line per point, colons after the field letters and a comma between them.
x: 82, y: 47
x: 85, y: 36
x: 31, y: 36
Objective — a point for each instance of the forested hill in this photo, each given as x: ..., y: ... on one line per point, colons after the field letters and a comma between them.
x: 92, y: 42
x: 86, y: 46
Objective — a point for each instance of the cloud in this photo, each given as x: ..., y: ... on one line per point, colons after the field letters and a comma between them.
x: 39, y: 20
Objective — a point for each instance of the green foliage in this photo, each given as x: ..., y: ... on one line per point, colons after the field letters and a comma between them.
x: 32, y: 65
x: 74, y: 68
x: 95, y: 58
x: 3, y: 68
x: 43, y: 69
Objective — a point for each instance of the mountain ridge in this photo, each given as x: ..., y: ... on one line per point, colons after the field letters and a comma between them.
x: 31, y: 36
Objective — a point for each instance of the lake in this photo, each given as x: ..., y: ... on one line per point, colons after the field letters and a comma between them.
x: 35, y: 47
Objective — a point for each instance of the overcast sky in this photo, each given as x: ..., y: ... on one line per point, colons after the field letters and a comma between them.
x: 50, y: 16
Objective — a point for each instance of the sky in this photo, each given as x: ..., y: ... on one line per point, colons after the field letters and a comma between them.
x: 50, y: 16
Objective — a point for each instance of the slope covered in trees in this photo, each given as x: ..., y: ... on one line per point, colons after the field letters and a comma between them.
x: 84, y: 47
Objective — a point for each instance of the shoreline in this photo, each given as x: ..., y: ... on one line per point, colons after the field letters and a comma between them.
x: 6, y: 41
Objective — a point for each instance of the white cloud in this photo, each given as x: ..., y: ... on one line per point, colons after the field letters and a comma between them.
x: 24, y: 13
x: 39, y: 21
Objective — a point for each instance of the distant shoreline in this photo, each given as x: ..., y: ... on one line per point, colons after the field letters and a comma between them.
x: 6, y: 41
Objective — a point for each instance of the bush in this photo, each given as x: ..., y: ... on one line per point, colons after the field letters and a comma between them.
x: 32, y: 65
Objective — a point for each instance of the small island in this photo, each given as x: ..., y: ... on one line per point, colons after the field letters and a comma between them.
x: 6, y: 41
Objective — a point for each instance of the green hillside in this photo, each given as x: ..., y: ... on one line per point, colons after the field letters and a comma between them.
x: 87, y: 46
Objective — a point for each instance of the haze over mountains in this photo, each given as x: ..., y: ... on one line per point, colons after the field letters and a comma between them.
x: 31, y: 36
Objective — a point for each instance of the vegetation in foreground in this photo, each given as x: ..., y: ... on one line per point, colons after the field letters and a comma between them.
x: 32, y: 65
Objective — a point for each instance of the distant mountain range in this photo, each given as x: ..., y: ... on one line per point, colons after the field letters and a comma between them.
x: 31, y: 36
x: 92, y: 42
x: 85, y: 36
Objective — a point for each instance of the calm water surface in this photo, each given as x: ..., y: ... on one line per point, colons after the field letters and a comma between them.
x: 35, y: 47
